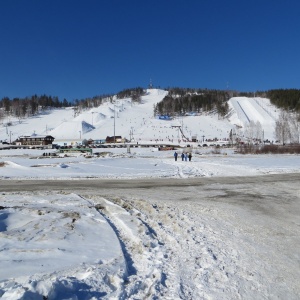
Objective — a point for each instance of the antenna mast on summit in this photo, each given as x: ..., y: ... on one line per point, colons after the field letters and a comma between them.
x: 227, y: 87
x: 150, y: 84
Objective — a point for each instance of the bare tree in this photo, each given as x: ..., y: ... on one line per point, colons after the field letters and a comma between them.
x: 258, y: 131
x: 1, y: 115
x: 294, y: 121
x: 250, y: 131
x: 253, y: 131
x: 282, y: 128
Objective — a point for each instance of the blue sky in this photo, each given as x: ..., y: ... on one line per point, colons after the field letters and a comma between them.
x: 76, y: 49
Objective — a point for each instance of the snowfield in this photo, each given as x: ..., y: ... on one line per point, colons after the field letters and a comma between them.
x: 203, y: 240
x: 140, y: 225
x: 141, y: 163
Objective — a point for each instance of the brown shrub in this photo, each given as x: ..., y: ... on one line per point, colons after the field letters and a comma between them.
x: 269, y: 149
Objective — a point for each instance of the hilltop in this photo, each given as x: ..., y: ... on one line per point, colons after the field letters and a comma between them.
x: 136, y: 121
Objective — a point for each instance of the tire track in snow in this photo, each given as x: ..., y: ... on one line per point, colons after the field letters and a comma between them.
x: 130, y: 269
x: 143, y: 251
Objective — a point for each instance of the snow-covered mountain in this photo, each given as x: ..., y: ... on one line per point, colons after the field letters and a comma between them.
x: 137, y: 121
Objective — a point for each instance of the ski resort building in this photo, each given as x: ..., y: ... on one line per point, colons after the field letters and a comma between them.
x: 35, y: 140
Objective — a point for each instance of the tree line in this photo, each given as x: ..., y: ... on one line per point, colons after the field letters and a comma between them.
x: 88, y: 103
x: 29, y: 106
x: 181, y: 101
x: 132, y: 92
x: 287, y: 99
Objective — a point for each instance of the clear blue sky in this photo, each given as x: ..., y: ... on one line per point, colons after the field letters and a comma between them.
x: 77, y: 49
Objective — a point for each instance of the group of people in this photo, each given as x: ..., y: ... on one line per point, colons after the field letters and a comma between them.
x: 184, y: 156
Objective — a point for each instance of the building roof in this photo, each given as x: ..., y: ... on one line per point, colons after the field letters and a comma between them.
x: 36, y: 136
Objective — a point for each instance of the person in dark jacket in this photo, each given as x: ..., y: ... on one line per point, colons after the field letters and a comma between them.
x: 182, y: 156
x: 175, y: 155
x: 190, y: 156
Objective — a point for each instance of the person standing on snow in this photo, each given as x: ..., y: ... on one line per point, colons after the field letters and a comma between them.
x: 190, y: 156
x: 185, y: 156
x: 175, y: 155
x: 182, y: 156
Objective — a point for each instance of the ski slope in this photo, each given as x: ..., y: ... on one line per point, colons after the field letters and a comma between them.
x: 255, y: 110
x: 136, y: 121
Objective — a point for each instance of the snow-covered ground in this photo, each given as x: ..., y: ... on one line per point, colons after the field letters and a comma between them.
x: 211, y: 241
x: 114, y: 163
x: 91, y: 245
x: 70, y: 246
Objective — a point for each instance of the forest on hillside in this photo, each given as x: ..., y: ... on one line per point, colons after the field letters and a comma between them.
x: 182, y: 101
x: 29, y: 106
x: 88, y: 103
x: 287, y: 99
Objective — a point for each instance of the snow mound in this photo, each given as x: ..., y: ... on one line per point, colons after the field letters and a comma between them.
x: 71, y: 129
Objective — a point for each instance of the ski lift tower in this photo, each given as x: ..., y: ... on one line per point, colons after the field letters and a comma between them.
x: 180, y: 130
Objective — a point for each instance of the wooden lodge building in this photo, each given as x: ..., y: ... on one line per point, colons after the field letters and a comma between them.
x: 35, y: 141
